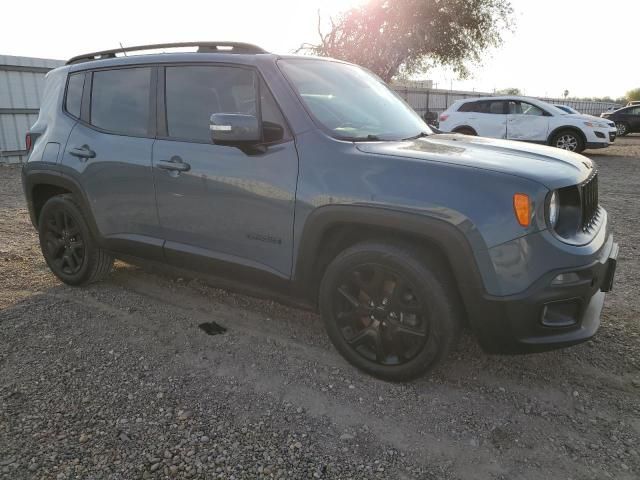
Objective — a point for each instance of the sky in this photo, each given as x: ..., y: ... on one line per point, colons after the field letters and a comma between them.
x: 584, y: 46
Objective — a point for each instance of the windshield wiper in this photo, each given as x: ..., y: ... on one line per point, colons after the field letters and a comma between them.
x: 420, y: 135
x: 368, y: 138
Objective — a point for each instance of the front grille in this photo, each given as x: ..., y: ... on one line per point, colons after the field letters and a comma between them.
x: 589, y: 202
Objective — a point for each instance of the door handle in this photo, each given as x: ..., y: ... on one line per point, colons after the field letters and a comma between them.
x: 83, y: 152
x: 175, y: 164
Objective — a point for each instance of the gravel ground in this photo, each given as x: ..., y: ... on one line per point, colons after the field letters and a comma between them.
x: 117, y: 381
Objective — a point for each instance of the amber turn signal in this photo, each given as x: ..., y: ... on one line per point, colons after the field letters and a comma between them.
x: 522, y: 208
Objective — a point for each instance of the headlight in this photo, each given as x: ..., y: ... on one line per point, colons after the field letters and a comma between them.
x: 596, y: 125
x: 553, y: 209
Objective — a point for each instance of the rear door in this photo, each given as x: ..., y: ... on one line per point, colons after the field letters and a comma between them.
x: 109, y: 152
x: 527, y: 122
x: 225, y: 203
x: 489, y: 118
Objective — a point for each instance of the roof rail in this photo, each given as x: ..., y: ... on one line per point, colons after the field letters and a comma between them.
x: 203, y: 47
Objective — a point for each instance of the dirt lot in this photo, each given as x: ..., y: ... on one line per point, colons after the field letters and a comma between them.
x: 117, y: 381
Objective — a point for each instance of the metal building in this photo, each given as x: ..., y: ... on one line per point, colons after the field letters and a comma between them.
x: 21, y: 86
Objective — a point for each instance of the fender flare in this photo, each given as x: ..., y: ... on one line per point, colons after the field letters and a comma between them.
x: 33, y: 178
x: 453, y: 240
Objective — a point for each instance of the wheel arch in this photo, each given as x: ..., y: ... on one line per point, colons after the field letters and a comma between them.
x: 459, y: 129
x: 331, y: 229
x: 566, y: 127
x: 40, y: 186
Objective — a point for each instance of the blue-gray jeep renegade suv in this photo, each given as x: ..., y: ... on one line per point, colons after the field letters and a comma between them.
x: 310, y: 175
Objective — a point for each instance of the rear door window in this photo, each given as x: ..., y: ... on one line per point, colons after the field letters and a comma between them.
x: 74, y: 94
x: 120, y: 100
x: 495, y: 107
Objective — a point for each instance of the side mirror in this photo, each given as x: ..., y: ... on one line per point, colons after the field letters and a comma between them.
x: 234, y: 128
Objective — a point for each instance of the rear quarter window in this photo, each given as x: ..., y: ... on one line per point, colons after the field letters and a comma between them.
x: 74, y: 94
x: 468, y: 107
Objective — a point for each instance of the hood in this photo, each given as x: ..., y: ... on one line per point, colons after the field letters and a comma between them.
x: 585, y: 117
x: 552, y: 167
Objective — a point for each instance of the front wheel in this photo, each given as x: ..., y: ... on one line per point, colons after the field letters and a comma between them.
x: 67, y: 244
x: 390, y: 310
x: 623, y: 129
x: 568, y: 140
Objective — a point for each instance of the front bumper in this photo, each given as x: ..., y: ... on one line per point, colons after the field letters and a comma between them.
x: 548, y: 316
x: 597, y: 138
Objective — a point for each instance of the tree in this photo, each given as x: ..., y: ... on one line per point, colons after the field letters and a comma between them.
x: 509, y: 91
x: 389, y: 36
x: 633, y: 94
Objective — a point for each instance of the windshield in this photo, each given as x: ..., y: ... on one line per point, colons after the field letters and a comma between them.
x: 567, y: 109
x: 350, y: 102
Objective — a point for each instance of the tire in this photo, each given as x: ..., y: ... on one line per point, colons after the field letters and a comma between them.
x: 67, y: 245
x: 396, y: 328
x: 568, y: 140
x: 623, y: 129
x: 466, y: 131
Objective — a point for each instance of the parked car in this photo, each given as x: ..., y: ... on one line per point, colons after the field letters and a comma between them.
x: 633, y: 103
x: 311, y: 177
x: 613, y: 130
x: 627, y: 119
x: 525, y: 119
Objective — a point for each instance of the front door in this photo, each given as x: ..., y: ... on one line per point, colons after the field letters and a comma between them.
x: 223, y: 202
x: 527, y: 122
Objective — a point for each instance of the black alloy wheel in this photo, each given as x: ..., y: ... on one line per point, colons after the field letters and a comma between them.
x: 391, y: 309
x: 380, y: 315
x: 63, y: 244
x: 67, y: 244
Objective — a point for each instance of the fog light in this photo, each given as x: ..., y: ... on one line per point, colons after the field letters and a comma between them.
x: 566, y: 278
x: 561, y: 314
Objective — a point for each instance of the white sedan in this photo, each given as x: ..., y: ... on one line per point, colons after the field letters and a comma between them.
x: 526, y: 119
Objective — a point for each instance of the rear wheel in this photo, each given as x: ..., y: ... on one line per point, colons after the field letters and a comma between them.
x: 389, y: 310
x: 568, y: 140
x: 623, y: 129
x: 67, y: 244
x: 466, y: 131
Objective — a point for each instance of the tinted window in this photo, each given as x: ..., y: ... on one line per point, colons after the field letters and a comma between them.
x: 633, y: 111
x: 194, y: 93
x: 468, y: 107
x: 74, y: 94
x: 495, y: 107
x: 120, y: 100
